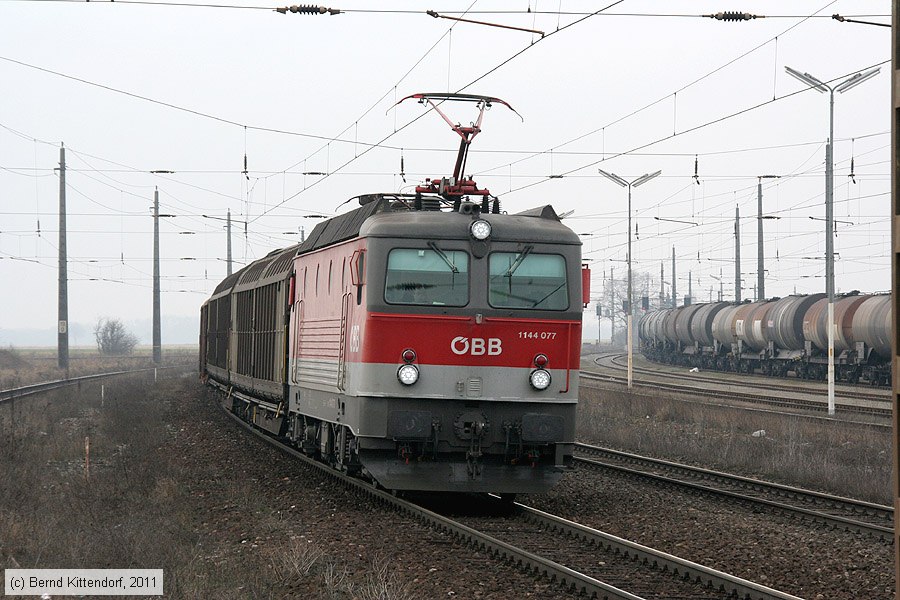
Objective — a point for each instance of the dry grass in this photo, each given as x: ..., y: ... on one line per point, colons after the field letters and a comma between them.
x: 25, y: 366
x: 154, y: 499
x: 298, y: 563
x: 848, y: 460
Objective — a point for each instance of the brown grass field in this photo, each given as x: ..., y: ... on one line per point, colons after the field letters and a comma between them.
x: 25, y: 366
x: 162, y: 491
x: 848, y: 460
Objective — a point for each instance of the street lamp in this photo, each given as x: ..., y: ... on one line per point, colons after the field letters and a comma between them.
x: 848, y: 83
x: 629, y: 184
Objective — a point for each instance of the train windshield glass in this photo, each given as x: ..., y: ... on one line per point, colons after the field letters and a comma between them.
x: 433, y: 277
x: 527, y: 280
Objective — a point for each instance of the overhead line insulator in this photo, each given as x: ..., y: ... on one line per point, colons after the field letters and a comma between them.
x: 307, y: 10
x: 733, y: 16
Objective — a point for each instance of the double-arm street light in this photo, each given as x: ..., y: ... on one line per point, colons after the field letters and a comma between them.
x: 820, y: 86
x: 630, y: 309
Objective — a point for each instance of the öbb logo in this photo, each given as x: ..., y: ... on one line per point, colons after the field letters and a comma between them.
x: 476, y: 346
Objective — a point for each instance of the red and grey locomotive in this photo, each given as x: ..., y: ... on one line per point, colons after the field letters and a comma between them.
x: 423, y: 341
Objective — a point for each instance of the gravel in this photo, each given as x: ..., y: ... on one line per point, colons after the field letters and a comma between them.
x: 227, y: 516
x: 361, y: 546
x: 774, y: 550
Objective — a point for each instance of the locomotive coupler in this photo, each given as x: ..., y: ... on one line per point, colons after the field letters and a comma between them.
x: 473, y: 456
x: 513, y: 431
x: 435, y: 429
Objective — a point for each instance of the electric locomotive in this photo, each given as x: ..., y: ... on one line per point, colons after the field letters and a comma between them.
x: 423, y: 341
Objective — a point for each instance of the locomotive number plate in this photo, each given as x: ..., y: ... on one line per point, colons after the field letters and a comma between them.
x: 537, y: 335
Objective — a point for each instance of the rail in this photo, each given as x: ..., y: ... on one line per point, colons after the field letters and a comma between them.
x: 697, y: 390
x: 36, y: 388
x: 790, y: 500
x: 578, y: 582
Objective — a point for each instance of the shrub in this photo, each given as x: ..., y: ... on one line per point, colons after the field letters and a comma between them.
x: 113, y: 339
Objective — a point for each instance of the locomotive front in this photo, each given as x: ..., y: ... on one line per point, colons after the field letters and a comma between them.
x: 462, y: 369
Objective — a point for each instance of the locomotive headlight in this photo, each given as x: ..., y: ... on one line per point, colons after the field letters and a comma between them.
x: 409, y: 374
x: 540, y: 379
x: 480, y: 230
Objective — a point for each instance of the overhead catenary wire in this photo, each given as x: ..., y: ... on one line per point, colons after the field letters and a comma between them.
x: 676, y: 91
x: 319, y: 10
x: 561, y: 152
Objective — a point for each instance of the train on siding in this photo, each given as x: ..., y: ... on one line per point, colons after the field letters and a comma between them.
x: 421, y: 341
x: 776, y: 337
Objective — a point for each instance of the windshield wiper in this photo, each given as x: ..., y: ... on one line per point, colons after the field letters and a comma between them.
x: 559, y: 287
x: 518, y: 261
x: 443, y: 256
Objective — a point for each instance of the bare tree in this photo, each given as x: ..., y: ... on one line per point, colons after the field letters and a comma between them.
x: 112, y: 337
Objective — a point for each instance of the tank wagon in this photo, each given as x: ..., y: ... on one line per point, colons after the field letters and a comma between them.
x: 776, y: 337
x: 421, y: 341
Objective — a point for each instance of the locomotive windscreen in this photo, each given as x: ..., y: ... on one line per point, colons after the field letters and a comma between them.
x: 528, y: 280
x: 427, y: 277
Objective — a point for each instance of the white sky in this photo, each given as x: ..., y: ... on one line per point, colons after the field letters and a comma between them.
x: 580, y: 90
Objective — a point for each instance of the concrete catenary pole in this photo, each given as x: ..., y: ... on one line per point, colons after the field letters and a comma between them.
x: 62, y: 342
x: 157, y: 335
x: 662, y: 286
x: 760, y: 268
x: 674, y: 290
x: 690, y: 295
x: 895, y: 275
x: 612, y: 306
x: 737, y: 254
x: 229, y: 241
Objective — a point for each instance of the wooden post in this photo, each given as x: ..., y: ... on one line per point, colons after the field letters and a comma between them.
x: 87, y: 457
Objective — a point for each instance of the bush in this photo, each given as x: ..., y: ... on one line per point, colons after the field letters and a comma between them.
x: 113, y: 339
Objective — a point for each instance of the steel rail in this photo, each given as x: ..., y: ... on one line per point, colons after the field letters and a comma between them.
x: 566, y: 577
x: 36, y: 388
x: 757, y: 381
x: 880, y: 512
x: 687, y: 570
x: 747, y: 397
x: 715, y: 401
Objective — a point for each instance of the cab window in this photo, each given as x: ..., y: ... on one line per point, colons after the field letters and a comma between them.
x: 427, y: 277
x: 528, y: 280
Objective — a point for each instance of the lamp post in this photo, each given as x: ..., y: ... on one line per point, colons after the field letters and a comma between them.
x: 846, y: 84
x: 629, y: 184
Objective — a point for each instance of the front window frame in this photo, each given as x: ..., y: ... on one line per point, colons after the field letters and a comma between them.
x: 419, y: 293
x: 496, y: 273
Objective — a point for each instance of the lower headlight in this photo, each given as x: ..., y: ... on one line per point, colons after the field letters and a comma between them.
x: 409, y: 374
x: 540, y: 379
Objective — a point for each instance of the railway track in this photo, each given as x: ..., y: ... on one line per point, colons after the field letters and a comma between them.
x: 541, y: 543
x: 834, y: 511
x: 46, y: 386
x: 760, y: 382
x: 867, y: 403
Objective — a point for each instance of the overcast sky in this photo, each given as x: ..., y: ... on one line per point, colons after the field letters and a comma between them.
x: 640, y: 86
